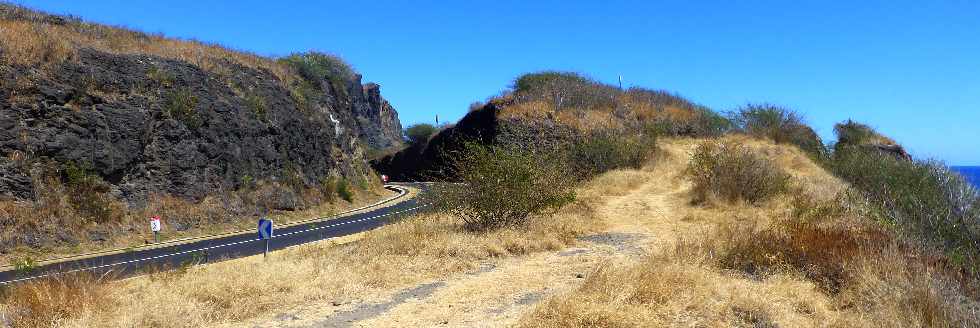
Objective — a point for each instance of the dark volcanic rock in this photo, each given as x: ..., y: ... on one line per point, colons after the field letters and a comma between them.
x: 147, y: 124
x: 429, y: 161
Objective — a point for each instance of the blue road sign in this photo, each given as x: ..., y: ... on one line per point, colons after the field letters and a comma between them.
x: 265, y: 228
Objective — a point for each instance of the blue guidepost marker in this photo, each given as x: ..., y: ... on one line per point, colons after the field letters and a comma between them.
x: 265, y: 233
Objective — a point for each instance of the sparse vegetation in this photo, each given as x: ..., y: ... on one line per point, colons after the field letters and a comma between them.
x: 161, y: 77
x: 257, y: 105
x: 532, y: 183
x: 733, y: 172
x: 181, y: 105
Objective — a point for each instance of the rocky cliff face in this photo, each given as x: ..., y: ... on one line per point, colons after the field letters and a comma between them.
x: 151, y: 124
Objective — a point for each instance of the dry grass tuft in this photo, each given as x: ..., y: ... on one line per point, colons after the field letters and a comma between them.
x: 51, y: 302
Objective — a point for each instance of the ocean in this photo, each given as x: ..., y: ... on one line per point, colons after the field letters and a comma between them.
x: 972, y: 173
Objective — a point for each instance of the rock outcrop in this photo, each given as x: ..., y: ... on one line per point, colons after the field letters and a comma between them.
x: 151, y: 124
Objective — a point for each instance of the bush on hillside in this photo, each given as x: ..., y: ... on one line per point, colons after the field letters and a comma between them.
x: 564, y: 90
x: 925, y: 200
x: 89, y: 195
x: 779, y: 124
x: 851, y: 133
x: 733, y: 172
x: 704, y: 123
x: 315, y: 67
x: 420, y: 133
x: 601, y: 152
x: 501, y: 186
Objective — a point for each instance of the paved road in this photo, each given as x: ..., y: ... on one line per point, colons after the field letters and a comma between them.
x: 222, y: 248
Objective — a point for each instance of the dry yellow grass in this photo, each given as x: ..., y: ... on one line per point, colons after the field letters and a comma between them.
x: 35, y: 42
x: 810, y: 259
x: 403, y: 253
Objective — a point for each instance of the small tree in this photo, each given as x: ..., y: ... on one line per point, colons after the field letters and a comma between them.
x: 420, y: 133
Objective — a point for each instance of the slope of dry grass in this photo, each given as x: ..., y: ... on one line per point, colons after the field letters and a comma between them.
x: 810, y: 258
x: 34, y: 39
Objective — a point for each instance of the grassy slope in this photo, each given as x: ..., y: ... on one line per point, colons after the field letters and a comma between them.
x: 692, y: 278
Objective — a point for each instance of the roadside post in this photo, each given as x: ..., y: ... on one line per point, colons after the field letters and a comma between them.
x: 265, y: 233
x: 155, y: 226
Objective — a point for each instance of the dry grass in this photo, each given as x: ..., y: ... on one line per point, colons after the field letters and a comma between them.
x: 399, y: 254
x: 806, y: 260
x: 51, y: 226
x: 31, y: 40
x: 51, y: 302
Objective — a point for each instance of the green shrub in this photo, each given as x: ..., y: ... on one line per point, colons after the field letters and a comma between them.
x: 343, y: 190
x: 328, y: 187
x: 924, y: 200
x: 257, y: 104
x: 778, y: 124
x: 88, y: 195
x: 420, y: 133
x: 565, y: 90
x: 315, y: 67
x: 181, y: 105
x: 503, y: 186
x: 706, y: 124
x: 851, y: 133
x: 602, y: 152
x: 734, y: 172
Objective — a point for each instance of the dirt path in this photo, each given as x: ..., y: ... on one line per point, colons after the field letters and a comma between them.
x: 644, y: 211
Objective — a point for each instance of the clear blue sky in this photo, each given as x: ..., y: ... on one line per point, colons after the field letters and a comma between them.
x: 909, y: 68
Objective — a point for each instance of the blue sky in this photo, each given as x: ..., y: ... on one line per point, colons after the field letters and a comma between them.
x: 909, y: 68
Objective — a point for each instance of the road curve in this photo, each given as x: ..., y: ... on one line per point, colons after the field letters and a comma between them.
x: 229, y: 246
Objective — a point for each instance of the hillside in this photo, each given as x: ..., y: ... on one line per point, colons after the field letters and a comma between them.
x: 550, y: 110
x: 130, y: 120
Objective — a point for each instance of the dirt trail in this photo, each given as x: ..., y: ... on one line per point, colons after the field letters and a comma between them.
x: 644, y: 210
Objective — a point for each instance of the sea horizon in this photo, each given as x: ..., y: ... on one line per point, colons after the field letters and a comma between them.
x: 972, y: 173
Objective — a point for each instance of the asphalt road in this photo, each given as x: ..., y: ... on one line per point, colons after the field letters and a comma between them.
x: 205, y: 250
